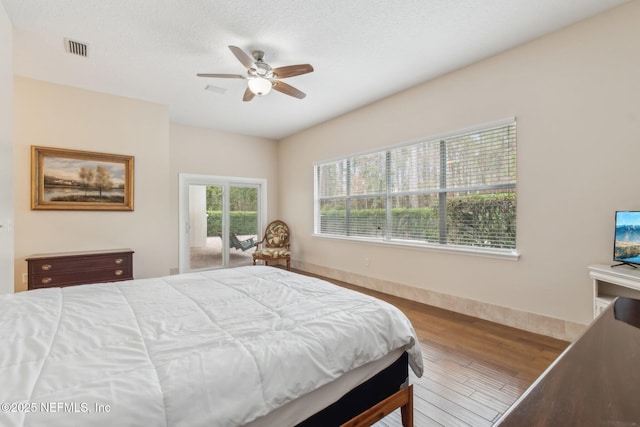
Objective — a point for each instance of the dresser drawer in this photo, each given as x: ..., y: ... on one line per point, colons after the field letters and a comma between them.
x: 66, y: 269
x: 80, y: 277
x: 98, y: 262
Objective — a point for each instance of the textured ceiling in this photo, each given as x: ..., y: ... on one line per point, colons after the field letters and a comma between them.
x: 362, y: 50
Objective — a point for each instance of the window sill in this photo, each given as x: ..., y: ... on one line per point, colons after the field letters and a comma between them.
x: 506, y: 254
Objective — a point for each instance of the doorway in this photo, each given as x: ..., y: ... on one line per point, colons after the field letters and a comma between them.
x: 220, y: 220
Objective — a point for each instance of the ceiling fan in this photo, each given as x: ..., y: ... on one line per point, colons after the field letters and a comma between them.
x: 261, y: 77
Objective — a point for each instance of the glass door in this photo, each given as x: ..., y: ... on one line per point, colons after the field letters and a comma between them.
x: 219, y: 218
x: 205, y: 226
x: 243, y: 224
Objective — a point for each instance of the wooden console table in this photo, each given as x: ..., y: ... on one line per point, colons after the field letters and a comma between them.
x: 611, y: 282
x: 594, y: 382
x: 77, y: 268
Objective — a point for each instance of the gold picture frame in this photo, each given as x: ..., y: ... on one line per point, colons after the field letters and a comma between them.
x: 63, y: 179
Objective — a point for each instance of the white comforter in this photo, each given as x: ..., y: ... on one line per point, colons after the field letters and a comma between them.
x: 217, y: 348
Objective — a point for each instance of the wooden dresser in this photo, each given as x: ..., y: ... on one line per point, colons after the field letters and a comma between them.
x: 77, y: 268
x: 595, y: 382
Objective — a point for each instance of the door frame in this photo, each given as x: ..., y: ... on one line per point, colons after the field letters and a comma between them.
x: 185, y: 180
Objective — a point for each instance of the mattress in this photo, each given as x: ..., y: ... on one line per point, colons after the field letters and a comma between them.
x: 215, y: 348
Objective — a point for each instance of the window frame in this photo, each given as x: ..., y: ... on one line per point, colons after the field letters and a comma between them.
x: 386, y: 239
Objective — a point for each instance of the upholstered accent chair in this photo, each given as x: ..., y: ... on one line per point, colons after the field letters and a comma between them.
x: 274, y: 246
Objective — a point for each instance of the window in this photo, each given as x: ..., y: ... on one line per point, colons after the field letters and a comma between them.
x: 457, y: 191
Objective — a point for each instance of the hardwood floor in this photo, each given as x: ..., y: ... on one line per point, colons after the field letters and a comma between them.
x: 474, y: 369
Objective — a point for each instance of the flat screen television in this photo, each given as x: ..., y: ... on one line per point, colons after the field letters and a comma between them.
x: 626, y: 246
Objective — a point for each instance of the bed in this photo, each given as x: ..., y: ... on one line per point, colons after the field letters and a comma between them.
x: 256, y: 346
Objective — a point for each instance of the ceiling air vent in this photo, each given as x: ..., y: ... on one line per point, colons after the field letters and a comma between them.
x: 215, y: 89
x: 76, y: 47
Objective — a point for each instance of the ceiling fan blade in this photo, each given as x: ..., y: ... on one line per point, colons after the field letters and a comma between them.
x: 292, y: 70
x: 248, y: 95
x: 223, y: 76
x: 288, y: 89
x: 242, y: 57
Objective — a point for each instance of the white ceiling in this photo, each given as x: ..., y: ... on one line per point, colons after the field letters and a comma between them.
x: 362, y: 50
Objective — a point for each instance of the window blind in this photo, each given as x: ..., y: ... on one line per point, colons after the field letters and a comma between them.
x: 454, y: 190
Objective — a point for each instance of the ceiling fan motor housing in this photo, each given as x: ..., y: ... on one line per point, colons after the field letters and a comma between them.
x: 261, y: 70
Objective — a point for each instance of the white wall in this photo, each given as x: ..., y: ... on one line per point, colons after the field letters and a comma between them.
x: 575, y: 95
x: 58, y: 116
x: 6, y: 154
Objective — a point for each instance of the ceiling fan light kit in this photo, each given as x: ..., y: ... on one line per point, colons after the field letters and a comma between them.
x: 261, y: 77
x: 260, y: 85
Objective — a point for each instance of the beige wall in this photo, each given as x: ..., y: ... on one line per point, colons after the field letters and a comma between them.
x: 6, y: 154
x: 209, y: 152
x: 575, y: 95
x: 63, y: 117
x: 59, y: 116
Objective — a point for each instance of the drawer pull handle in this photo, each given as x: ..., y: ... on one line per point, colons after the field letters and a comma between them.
x: 46, y: 267
x: 46, y: 280
x: 119, y: 272
x: 119, y: 260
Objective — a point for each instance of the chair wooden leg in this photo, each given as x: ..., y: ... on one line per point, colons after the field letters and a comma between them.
x: 288, y: 264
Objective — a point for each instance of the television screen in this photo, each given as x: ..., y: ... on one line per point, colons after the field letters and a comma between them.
x: 626, y: 248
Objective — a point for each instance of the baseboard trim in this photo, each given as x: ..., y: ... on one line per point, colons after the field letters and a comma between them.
x: 536, y: 323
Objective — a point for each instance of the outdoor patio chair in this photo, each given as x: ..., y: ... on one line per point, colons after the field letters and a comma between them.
x: 246, y: 244
x: 275, y: 244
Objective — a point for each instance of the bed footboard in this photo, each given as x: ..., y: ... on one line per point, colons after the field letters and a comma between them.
x: 381, y: 394
x: 402, y: 399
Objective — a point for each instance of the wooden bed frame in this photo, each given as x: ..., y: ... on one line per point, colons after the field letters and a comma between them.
x: 402, y: 399
x: 372, y: 400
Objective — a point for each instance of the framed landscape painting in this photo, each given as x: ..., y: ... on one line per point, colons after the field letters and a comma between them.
x: 64, y: 179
